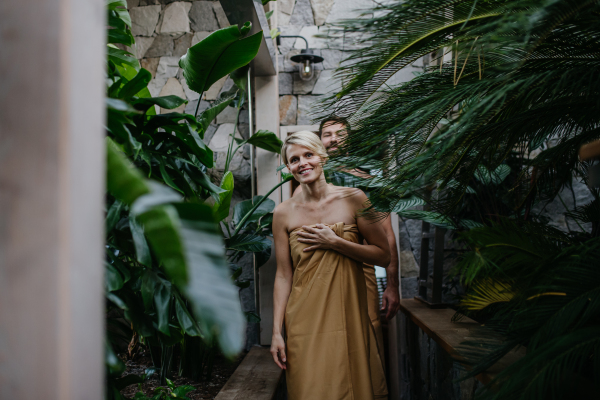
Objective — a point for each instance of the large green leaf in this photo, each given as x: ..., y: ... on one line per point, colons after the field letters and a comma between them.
x: 186, y: 320
x: 162, y: 300
x: 121, y: 57
x: 244, y: 207
x: 494, y: 177
x: 266, y: 140
x: 142, y: 250
x: 219, y: 54
x: 162, y: 227
x: 135, y: 85
x: 116, y: 124
x: 407, y: 203
x: 194, y: 143
x: 248, y: 242
x: 214, y: 297
x: 211, y: 113
x: 112, y: 278
x: 169, y: 102
x: 221, y: 208
x: 123, y: 180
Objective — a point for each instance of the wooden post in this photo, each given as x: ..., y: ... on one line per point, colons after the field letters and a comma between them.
x: 267, y: 117
x: 52, y: 194
x: 394, y: 331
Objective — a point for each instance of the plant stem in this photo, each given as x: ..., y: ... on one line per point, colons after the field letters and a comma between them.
x: 198, y: 105
x: 249, y: 213
x: 229, y: 154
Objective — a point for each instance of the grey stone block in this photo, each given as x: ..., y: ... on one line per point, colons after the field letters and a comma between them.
x: 182, y: 44
x: 202, y: 17
x: 132, y: 3
x: 210, y: 132
x: 321, y: 9
x: 220, y: 14
x: 150, y: 64
x: 410, y: 287
x: 174, y: 18
x: 228, y: 116
x: 149, y: 2
x: 326, y: 84
x: 345, y: 9
x: 285, y: 83
x: 302, y: 14
x: 142, y: 44
x: 144, y: 20
x: 289, y: 30
x: 306, y: 112
x: 288, y: 110
x: 331, y: 58
x: 190, y: 107
x: 304, y: 87
x: 162, y: 46
x: 555, y: 210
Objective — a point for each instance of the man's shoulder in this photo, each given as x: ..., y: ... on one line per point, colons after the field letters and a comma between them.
x: 350, y: 193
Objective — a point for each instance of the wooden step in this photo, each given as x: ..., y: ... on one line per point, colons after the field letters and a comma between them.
x: 256, y: 378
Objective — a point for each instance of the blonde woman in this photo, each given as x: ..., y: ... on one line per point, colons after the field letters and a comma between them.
x: 320, y: 289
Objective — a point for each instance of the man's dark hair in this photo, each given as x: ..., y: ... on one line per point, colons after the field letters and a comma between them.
x: 332, y: 121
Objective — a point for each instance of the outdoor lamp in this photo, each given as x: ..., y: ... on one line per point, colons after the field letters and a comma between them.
x: 306, y: 59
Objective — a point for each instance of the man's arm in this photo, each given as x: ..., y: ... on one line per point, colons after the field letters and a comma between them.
x: 391, y: 296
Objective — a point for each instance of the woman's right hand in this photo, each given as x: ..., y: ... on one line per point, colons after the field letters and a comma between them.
x: 278, y: 350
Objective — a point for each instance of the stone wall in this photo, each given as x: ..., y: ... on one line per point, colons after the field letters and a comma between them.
x: 164, y: 30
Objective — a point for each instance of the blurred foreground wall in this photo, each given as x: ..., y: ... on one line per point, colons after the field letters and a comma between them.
x: 52, y: 171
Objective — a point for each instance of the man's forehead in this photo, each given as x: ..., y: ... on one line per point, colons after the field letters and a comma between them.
x: 335, y: 125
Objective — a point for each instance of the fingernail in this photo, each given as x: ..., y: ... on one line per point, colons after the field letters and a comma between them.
x: 284, y: 360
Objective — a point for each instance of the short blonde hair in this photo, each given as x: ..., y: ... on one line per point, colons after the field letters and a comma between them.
x: 306, y: 139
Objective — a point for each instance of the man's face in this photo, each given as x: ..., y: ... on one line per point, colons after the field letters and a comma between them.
x: 333, y: 135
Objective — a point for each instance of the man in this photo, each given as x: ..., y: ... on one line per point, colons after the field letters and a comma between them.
x: 332, y: 132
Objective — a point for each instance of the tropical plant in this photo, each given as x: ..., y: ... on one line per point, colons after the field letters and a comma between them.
x: 486, y: 137
x: 167, y: 273
x: 167, y: 392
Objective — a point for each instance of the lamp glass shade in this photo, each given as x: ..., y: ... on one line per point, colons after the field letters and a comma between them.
x: 306, y: 70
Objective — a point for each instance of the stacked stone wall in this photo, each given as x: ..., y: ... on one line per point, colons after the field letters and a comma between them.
x: 164, y: 30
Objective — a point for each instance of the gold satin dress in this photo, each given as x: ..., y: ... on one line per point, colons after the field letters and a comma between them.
x: 330, y: 341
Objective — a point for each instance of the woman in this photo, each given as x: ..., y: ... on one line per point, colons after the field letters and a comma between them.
x: 319, y: 285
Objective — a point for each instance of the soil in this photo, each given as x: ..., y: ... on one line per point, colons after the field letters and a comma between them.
x: 223, y: 368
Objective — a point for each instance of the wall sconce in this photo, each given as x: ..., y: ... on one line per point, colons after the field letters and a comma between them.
x: 306, y: 59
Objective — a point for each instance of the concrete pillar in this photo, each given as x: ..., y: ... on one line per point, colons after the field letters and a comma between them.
x: 267, y: 117
x: 51, y: 196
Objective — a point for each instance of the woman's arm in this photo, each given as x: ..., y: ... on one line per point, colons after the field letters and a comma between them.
x: 376, y: 252
x: 283, y: 285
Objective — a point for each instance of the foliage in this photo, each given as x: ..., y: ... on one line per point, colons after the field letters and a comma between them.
x: 486, y: 137
x: 166, y: 393
x: 168, y: 270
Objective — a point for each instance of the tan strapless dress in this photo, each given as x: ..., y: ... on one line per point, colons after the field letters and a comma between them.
x: 329, y: 336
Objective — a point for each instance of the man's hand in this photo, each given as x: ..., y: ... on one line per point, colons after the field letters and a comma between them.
x: 278, y: 351
x: 390, y: 302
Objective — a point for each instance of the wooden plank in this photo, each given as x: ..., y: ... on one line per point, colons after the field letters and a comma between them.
x: 257, y: 378
x: 590, y: 150
x: 437, y: 324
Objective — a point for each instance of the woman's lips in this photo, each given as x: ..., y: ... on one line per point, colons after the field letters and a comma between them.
x: 305, y: 171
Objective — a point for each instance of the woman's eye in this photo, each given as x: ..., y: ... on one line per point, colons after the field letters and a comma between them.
x: 308, y: 155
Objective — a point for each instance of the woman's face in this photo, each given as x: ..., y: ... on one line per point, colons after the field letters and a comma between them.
x: 303, y: 163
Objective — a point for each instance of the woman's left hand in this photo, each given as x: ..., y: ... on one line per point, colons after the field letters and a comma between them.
x: 320, y: 236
